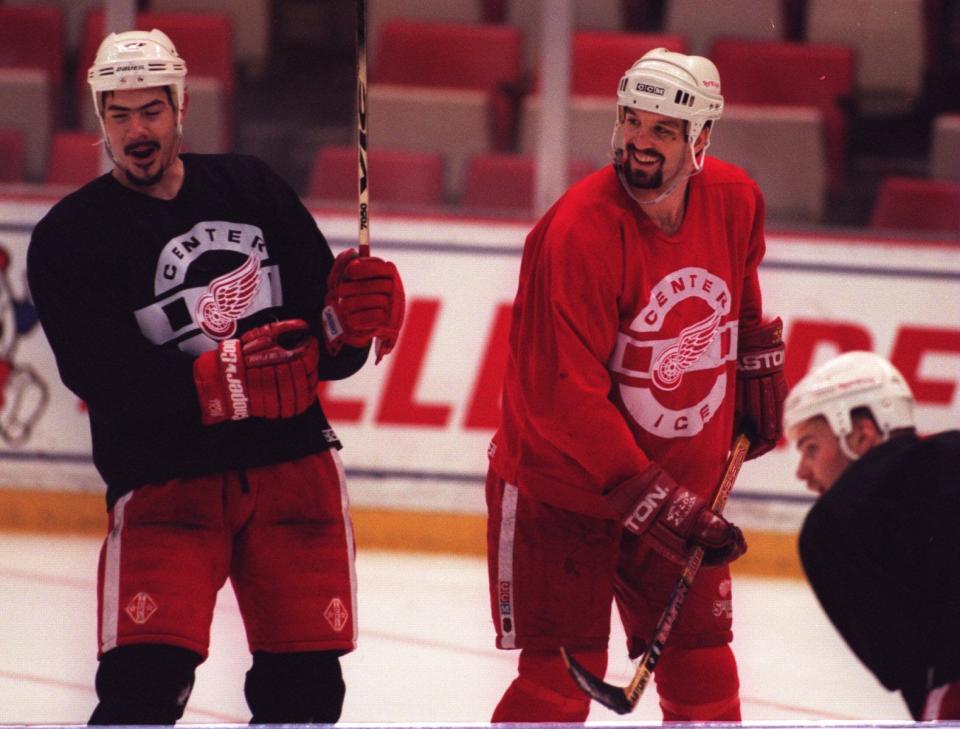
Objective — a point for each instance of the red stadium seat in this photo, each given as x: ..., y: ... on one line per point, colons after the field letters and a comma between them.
x: 917, y: 204
x: 13, y: 156
x: 75, y: 158
x: 33, y: 37
x: 203, y: 40
x: 397, y: 176
x: 505, y: 182
x: 600, y: 58
x: 793, y: 74
x: 477, y: 57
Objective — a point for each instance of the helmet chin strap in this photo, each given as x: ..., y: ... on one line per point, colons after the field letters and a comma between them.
x: 618, y: 151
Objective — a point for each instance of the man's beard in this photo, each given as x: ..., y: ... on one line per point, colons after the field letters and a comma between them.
x: 640, y: 178
x: 144, y: 181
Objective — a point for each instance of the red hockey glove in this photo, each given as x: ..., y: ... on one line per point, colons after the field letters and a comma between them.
x: 270, y: 372
x: 364, y: 301
x: 761, y: 386
x: 672, y: 519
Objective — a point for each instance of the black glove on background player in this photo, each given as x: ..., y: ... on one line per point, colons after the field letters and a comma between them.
x: 672, y: 519
x: 761, y: 386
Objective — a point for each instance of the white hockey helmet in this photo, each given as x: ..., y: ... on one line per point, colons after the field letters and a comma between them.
x: 137, y: 59
x: 676, y: 85
x: 849, y: 381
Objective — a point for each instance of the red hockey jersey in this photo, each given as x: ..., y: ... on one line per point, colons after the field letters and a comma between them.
x: 624, y: 339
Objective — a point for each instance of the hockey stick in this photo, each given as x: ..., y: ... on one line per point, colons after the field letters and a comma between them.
x: 624, y: 699
x: 363, y: 186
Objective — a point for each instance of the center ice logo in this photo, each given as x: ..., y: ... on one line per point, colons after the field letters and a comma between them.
x: 652, y: 360
x: 205, y: 281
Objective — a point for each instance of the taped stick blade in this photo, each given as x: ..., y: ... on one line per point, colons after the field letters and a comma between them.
x: 613, y: 697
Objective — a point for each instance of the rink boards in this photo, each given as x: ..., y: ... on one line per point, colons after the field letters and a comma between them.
x: 416, y: 427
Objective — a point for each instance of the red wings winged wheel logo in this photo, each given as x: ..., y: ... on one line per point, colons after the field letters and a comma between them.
x: 227, y: 298
x: 674, y: 361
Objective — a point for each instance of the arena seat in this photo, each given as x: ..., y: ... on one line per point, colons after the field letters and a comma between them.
x: 702, y: 22
x: 452, y: 122
x: 33, y: 37
x: 209, y: 117
x: 249, y: 19
x: 483, y: 58
x: 397, y: 177
x: 440, y: 11
x: 74, y: 13
x: 75, y: 158
x: 944, y: 160
x: 204, y: 42
x: 502, y: 183
x: 782, y: 149
x: 446, y: 87
x: 917, y: 204
x: 889, y: 37
x: 13, y: 156
x: 600, y: 58
x: 591, y: 125
x: 25, y: 100
x: 793, y: 74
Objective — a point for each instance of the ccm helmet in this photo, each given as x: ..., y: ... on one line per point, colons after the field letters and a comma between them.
x: 137, y: 59
x: 674, y: 84
x: 852, y: 380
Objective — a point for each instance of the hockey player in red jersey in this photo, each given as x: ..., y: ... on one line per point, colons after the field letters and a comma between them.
x: 182, y: 296
x: 637, y: 351
x: 880, y: 546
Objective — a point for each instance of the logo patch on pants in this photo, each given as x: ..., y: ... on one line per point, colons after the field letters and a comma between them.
x: 336, y: 614
x: 141, y: 608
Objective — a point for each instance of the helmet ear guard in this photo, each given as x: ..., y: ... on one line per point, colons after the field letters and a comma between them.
x: 850, y: 381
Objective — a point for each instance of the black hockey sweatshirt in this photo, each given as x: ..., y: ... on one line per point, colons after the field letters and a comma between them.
x: 881, y: 549
x: 130, y: 289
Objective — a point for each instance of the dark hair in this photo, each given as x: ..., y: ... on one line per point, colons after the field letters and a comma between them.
x: 863, y: 411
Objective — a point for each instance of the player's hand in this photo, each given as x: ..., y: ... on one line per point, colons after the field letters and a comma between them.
x: 365, y: 300
x: 673, y: 519
x: 269, y: 372
x: 761, y: 386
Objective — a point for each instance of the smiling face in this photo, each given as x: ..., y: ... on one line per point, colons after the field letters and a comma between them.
x: 141, y: 128
x: 654, y: 148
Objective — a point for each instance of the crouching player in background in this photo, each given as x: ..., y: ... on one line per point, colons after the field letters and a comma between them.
x: 182, y: 297
x: 880, y: 546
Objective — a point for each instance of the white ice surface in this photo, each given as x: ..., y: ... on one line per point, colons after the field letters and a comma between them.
x: 426, y: 652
